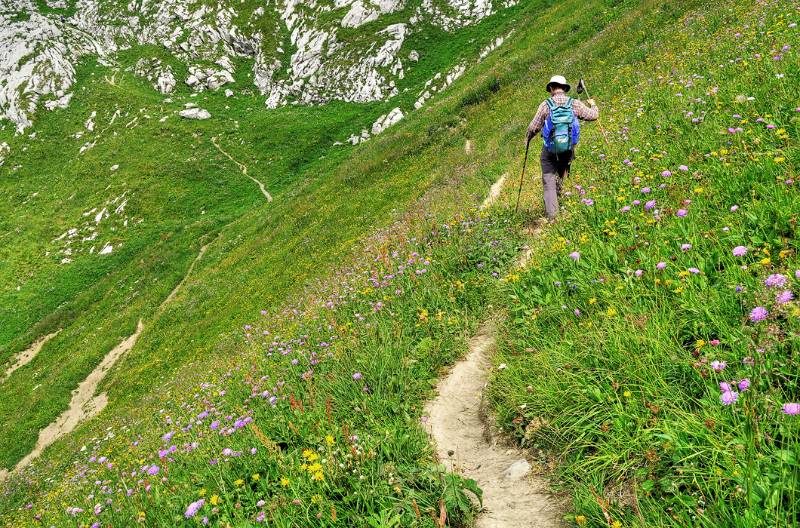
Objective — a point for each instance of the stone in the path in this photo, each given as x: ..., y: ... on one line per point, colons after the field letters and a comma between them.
x: 517, y: 470
x: 195, y: 113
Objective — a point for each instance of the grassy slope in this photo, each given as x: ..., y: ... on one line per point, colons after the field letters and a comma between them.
x: 486, y: 107
x: 388, y: 173
x: 623, y: 392
x: 188, y: 194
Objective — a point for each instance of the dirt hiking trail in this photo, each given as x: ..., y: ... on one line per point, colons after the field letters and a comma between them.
x: 512, y: 497
x: 84, y: 404
x: 243, y: 168
x: 27, y: 356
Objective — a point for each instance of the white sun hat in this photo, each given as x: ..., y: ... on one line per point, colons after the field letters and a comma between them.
x: 560, y: 80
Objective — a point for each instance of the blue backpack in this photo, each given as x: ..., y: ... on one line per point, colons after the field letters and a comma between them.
x: 561, y: 130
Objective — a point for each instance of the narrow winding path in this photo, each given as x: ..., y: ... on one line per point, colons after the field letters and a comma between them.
x: 27, y: 355
x: 84, y: 404
x: 512, y: 496
x: 243, y: 168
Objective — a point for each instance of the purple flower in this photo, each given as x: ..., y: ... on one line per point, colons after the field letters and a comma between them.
x: 718, y: 366
x: 168, y: 436
x: 724, y: 386
x: 758, y: 313
x: 684, y: 168
x: 645, y: 190
x: 734, y: 208
x: 775, y: 280
x: 784, y: 297
x: 625, y: 209
x: 649, y: 205
x: 666, y: 174
x: 681, y: 213
x: 193, y: 508
x: 575, y: 256
x: 744, y: 384
x: 661, y: 265
x: 638, y: 272
x: 792, y: 409
x: 357, y: 376
x: 729, y: 397
x: 686, y: 247
x: 153, y: 470
x: 577, y: 312
x: 694, y: 271
x: 739, y: 251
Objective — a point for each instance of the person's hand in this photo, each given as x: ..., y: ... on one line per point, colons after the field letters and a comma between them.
x: 591, y: 102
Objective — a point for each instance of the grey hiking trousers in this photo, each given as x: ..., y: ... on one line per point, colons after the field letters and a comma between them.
x: 554, y: 169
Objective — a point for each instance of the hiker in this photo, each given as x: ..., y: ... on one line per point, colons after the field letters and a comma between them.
x: 557, y: 120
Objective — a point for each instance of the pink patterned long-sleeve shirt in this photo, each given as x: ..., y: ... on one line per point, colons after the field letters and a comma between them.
x: 587, y: 113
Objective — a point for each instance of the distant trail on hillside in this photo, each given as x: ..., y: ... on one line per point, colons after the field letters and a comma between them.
x: 84, y: 404
x: 27, y: 355
x: 174, y: 291
x: 243, y: 168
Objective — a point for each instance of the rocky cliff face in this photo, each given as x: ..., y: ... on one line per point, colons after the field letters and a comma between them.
x: 303, y: 52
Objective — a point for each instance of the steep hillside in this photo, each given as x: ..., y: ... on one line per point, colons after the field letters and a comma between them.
x: 288, y: 346
x: 110, y: 194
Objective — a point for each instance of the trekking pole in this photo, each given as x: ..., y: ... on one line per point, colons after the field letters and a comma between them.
x: 522, y: 177
x: 581, y: 89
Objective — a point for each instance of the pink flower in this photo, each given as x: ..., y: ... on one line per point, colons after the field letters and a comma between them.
x: 666, y: 174
x: 684, y: 168
x: 193, y: 508
x: 638, y: 272
x: 792, y: 409
x: 775, y: 280
x: 724, y: 386
x: 686, y: 247
x: 784, y: 297
x: 734, y: 208
x: 661, y: 265
x: 681, y: 213
x: 649, y: 205
x: 759, y: 313
x: 729, y: 397
x: 739, y: 251
x: 575, y: 256
x: 357, y: 376
x: 744, y: 384
x: 625, y: 209
x: 694, y: 271
x: 718, y: 366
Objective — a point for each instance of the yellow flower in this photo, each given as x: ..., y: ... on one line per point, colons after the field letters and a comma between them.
x: 593, y: 300
x: 214, y: 500
x: 699, y: 343
x: 611, y: 312
x: 318, y: 476
x: 256, y: 477
x: 310, y: 455
x: 766, y: 261
x: 238, y: 482
x: 580, y: 519
x: 316, y: 499
x: 315, y: 468
x: 616, y: 524
x: 329, y: 439
x: 698, y: 190
x: 785, y: 253
x: 284, y: 481
x: 627, y: 394
x: 202, y: 492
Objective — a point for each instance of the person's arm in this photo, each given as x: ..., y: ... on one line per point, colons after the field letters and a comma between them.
x: 587, y: 113
x: 538, y: 121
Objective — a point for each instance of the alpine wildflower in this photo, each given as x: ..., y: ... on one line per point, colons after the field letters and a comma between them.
x: 759, y: 313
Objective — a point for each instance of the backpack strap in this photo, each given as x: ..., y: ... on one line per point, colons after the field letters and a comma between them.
x: 569, y: 102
